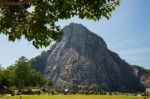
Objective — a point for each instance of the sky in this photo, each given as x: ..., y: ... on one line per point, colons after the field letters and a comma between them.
x: 127, y: 33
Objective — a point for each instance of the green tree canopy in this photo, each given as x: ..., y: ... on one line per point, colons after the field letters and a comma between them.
x: 22, y: 72
x: 9, y: 74
x: 25, y: 76
x: 37, y: 79
x: 39, y: 26
x: 49, y: 83
x: 6, y: 78
x: 22, y: 76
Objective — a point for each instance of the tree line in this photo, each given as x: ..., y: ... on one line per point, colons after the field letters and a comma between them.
x: 21, y: 76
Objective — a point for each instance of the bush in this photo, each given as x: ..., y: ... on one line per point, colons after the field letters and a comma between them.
x: 85, y: 92
x: 54, y: 91
x: 44, y: 90
x: 110, y: 93
x: 80, y: 92
x: 29, y: 92
x: 91, y: 92
x: 12, y: 93
x: 71, y: 92
x: 95, y: 92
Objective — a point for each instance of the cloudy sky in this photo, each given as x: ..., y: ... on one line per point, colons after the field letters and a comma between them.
x: 127, y: 33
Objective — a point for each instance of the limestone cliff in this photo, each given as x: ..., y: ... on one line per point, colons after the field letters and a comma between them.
x: 143, y: 75
x: 82, y: 58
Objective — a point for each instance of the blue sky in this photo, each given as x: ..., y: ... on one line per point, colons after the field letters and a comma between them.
x: 127, y: 33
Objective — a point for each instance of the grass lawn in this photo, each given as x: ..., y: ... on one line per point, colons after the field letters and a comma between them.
x: 72, y: 97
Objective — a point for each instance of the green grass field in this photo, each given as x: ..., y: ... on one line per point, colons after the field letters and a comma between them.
x: 72, y: 97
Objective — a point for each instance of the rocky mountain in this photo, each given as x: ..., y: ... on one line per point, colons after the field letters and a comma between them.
x: 82, y: 58
x: 39, y: 62
x: 143, y: 75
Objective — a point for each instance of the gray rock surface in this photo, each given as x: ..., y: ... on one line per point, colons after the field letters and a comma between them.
x: 82, y: 58
x: 143, y: 75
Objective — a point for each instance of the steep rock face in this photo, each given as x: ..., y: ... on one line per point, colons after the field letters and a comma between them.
x: 82, y: 58
x: 143, y: 75
x: 39, y: 62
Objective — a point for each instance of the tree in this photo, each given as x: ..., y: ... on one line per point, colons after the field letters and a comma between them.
x: 4, y: 81
x: 22, y: 73
x: 14, y: 2
x: 9, y: 74
x: 37, y: 79
x: 1, y: 77
x: 25, y: 76
x: 75, y: 88
x: 1, y: 70
x: 95, y: 88
x: 40, y: 25
x: 49, y: 83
